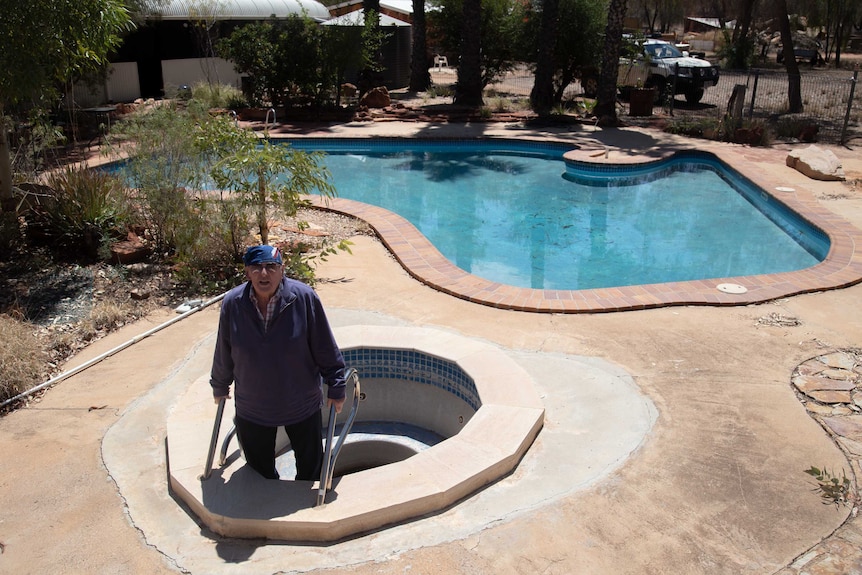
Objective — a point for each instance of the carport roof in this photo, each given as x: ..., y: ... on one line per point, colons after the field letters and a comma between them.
x: 235, y: 9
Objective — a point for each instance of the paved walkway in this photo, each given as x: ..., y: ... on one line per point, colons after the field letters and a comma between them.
x: 717, y: 486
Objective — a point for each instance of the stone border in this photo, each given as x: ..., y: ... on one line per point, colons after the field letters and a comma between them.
x: 237, y: 502
x: 830, y: 388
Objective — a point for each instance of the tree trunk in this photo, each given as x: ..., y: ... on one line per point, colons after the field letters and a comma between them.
x: 420, y: 77
x: 262, y: 222
x: 606, y: 103
x: 542, y: 95
x: 794, y: 88
x: 469, y: 88
x: 7, y: 200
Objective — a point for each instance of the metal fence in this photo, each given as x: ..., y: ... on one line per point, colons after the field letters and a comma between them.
x: 831, y: 101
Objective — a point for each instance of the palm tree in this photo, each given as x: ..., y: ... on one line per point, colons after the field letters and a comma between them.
x: 606, y: 103
x: 469, y: 88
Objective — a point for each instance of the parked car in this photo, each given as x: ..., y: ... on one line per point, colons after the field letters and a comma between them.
x: 660, y: 64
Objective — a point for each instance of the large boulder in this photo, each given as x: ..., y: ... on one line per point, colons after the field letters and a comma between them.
x: 816, y: 163
x: 376, y: 98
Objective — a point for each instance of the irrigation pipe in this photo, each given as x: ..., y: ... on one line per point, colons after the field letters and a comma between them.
x: 109, y: 353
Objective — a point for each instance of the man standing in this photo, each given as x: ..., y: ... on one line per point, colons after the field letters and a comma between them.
x: 275, y: 344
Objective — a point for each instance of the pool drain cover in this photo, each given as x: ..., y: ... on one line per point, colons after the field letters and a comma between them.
x: 732, y: 288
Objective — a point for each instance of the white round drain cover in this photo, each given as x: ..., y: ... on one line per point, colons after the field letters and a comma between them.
x: 732, y: 288
x: 785, y: 189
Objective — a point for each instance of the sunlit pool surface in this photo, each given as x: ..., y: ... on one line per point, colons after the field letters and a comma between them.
x: 515, y: 213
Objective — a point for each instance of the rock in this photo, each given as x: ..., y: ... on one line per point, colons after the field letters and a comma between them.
x: 816, y: 163
x: 850, y: 427
x: 852, y: 446
x: 376, y: 98
x: 807, y: 383
x: 349, y: 91
x: 129, y: 251
x: 825, y: 396
x: 837, y: 373
x: 838, y: 360
x: 139, y: 294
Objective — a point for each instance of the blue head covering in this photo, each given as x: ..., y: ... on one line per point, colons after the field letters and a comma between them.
x: 262, y: 255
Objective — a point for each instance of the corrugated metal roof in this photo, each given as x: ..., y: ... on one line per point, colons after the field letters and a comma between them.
x: 236, y: 9
x: 357, y: 17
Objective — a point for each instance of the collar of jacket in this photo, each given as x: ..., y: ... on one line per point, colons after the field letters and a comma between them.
x: 287, y: 296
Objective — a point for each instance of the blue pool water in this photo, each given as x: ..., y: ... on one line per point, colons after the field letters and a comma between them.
x: 513, y: 213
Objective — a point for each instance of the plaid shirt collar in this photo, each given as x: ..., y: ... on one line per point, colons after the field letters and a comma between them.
x: 270, y: 307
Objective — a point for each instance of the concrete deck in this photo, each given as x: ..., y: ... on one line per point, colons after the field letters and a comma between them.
x: 708, y: 478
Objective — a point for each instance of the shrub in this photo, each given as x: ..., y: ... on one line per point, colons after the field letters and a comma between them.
x: 79, y: 212
x: 166, y: 160
x: 218, y: 96
x: 21, y: 359
x: 694, y: 127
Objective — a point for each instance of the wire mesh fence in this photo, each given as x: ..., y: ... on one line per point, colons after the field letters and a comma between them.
x: 832, y: 103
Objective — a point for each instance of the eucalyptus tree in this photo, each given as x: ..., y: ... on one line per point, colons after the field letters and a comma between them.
x: 794, y: 88
x: 484, y: 34
x: 606, y: 103
x: 577, y: 42
x: 47, y: 44
x: 420, y: 78
x: 469, y: 88
x: 542, y: 94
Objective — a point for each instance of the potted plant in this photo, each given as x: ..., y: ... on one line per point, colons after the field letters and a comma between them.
x: 641, y: 100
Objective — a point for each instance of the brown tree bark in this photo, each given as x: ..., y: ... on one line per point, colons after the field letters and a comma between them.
x: 542, y: 94
x: 794, y: 88
x: 420, y: 77
x: 606, y: 103
x: 469, y: 89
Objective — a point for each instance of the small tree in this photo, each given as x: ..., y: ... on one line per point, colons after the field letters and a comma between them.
x: 47, y: 43
x: 270, y: 177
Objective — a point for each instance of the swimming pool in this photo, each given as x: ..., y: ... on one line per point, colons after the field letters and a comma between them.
x: 516, y: 213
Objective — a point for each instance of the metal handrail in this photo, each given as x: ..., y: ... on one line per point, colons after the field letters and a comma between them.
x: 266, y: 121
x: 331, y: 454
x: 211, y: 452
x: 223, y: 454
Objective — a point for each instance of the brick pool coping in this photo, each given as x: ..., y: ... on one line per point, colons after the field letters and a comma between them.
x: 841, y: 268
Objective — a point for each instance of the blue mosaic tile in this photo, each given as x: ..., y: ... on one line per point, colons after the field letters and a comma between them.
x: 416, y: 367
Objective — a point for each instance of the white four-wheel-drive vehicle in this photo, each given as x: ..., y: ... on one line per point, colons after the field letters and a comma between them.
x: 661, y: 65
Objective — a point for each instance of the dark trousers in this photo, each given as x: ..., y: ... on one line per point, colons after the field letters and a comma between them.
x: 306, y: 439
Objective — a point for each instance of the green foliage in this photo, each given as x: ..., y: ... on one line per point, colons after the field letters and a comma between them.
x: 166, y: 160
x: 300, y: 265
x: 580, y: 27
x: 79, y: 212
x: 218, y: 96
x: 833, y: 490
x: 180, y: 153
x: 287, y: 61
x: 737, y: 55
x: 373, y: 38
x: 267, y: 177
x: 500, y: 29
x: 694, y: 127
x: 46, y: 42
x: 36, y: 138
